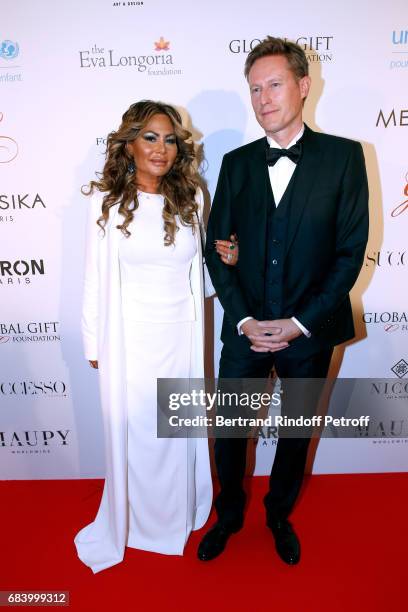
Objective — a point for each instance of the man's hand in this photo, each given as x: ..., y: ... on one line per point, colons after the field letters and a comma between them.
x: 228, y: 250
x: 94, y: 364
x: 282, y: 330
x: 266, y: 336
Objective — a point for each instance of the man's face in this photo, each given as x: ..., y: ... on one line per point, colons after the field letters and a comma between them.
x: 277, y: 96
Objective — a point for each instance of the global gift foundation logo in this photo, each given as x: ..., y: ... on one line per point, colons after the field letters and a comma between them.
x: 159, y: 61
x: 317, y: 48
x: 34, y: 332
x: 9, y: 70
x: 389, y: 321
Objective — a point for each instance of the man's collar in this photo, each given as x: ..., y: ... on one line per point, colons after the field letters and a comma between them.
x: 274, y: 144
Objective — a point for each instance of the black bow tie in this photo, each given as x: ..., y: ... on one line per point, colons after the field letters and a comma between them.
x: 294, y: 153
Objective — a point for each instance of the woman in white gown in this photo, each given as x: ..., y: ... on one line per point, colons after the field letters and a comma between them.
x: 143, y: 320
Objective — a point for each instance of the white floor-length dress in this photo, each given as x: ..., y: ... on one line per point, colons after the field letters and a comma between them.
x: 158, y: 316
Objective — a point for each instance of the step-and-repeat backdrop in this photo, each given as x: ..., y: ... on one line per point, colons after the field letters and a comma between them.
x: 68, y: 70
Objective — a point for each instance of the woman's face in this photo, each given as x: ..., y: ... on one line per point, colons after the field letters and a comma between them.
x: 154, y: 150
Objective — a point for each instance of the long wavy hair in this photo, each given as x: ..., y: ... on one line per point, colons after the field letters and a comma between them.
x: 117, y: 179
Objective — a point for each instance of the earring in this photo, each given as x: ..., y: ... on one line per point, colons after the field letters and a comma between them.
x: 131, y: 167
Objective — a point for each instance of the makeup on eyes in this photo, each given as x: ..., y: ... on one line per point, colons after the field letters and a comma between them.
x: 151, y: 136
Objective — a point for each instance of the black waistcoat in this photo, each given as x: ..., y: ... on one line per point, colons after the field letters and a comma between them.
x: 276, y: 232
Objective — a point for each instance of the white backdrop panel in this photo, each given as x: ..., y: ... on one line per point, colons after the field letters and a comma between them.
x: 68, y: 70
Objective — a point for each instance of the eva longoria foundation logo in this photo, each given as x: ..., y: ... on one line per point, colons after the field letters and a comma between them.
x: 162, y: 45
x: 400, y: 369
x: 159, y: 62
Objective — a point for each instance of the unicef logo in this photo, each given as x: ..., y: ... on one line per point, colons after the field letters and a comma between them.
x: 9, y: 49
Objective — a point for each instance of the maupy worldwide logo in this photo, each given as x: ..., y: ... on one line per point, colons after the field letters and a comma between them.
x: 159, y: 60
x: 317, y: 48
x: 400, y: 368
x: 399, y: 52
x: 32, y: 332
x: 9, y: 62
x: 34, y: 441
x: 389, y: 321
x: 20, y: 271
x: 402, y: 207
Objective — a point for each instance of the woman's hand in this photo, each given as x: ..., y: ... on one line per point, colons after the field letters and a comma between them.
x: 228, y: 250
x: 94, y: 364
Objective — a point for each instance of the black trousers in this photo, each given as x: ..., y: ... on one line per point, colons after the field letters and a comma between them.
x: 230, y: 453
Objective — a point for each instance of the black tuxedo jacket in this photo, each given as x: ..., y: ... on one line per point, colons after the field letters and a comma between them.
x: 326, y: 236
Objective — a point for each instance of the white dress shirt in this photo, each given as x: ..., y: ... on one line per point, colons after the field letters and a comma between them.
x: 279, y: 175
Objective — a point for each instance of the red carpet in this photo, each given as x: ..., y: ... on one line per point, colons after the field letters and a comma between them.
x: 353, y: 530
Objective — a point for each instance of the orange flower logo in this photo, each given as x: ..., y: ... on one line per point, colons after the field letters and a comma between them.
x: 162, y: 45
x: 400, y: 208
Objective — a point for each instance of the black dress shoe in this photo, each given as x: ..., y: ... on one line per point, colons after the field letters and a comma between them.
x: 286, y: 541
x: 214, y: 541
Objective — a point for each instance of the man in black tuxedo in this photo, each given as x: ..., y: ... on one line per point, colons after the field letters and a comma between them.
x: 298, y: 202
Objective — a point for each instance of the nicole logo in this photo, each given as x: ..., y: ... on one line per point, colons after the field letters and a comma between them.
x: 8, y: 147
x: 9, y: 50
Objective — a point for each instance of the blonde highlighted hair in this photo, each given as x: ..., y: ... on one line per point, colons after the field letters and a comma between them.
x: 117, y: 179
